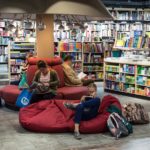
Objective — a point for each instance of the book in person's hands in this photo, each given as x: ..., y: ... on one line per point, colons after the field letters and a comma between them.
x: 81, y: 75
x: 87, y: 98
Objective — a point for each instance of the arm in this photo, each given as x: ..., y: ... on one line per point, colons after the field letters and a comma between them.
x: 71, y: 76
x: 35, y: 80
x: 92, y: 103
x: 55, y: 79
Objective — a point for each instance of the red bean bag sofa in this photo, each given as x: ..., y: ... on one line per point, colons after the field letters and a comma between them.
x: 10, y: 93
x: 51, y: 116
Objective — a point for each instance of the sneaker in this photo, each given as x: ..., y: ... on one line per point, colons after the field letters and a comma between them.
x: 77, y: 136
x: 69, y: 106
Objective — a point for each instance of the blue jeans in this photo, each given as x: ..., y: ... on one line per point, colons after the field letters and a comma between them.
x: 38, y: 97
x: 87, y: 110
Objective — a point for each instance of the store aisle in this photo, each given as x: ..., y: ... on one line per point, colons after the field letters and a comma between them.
x: 14, y: 137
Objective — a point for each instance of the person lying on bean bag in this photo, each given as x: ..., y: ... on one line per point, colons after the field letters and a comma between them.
x: 85, y: 110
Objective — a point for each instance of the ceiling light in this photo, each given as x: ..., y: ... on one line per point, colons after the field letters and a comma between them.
x: 41, y: 26
x: 61, y: 27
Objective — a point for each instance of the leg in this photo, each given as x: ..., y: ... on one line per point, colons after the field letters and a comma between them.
x: 71, y: 105
x: 35, y: 98
x: 15, y: 82
x: 78, y: 113
x: 48, y: 96
x: 77, y: 120
x: 92, y: 103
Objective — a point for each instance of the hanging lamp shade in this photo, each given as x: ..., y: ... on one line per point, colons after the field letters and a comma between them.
x: 91, y: 8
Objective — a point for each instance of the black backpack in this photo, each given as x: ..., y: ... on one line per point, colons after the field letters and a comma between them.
x: 119, y: 126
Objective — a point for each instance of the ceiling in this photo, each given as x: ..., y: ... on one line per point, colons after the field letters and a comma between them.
x: 127, y: 3
x: 94, y: 9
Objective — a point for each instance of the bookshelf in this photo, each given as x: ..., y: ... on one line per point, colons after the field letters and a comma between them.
x: 127, y: 77
x: 4, y: 60
x: 93, y: 55
x: 89, y: 50
x: 74, y: 49
x: 18, y: 54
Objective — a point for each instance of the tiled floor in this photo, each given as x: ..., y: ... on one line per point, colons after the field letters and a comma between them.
x: 14, y: 137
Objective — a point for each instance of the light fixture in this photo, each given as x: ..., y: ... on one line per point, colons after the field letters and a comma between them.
x: 69, y: 24
x: 41, y: 26
x: 58, y: 21
x: 61, y: 27
x: 10, y: 26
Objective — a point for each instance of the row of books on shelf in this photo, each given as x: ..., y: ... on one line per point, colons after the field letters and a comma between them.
x: 23, y: 46
x: 120, y: 78
x: 67, y: 34
x: 141, y: 80
x: 3, y: 68
x: 103, y: 33
x: 3, y: 50
x: 128, y: 69
x: 143, y: 70
x: 74, y: 46
x: 131, y: 69
x: 131, y: 15
x: 134, y: 42
x: 93, y: 58
x: 17, y: 54
x: 76, y: 56
x: 3, y: 58
x: 3, y: 32
x: 145, y: 81
x: 17, y: 62
x: 15, y: 69
x: 93, y: 47
x: 112, y: 68
x: 126, y: 88
x: 4, y: 40
x: 14, y: 77
x: 100, y: 26
x: 95, y: 68
x: 108, y: 46
x: 127, y: 27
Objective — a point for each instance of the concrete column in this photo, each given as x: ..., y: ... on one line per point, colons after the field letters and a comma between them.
x: 45, y: 38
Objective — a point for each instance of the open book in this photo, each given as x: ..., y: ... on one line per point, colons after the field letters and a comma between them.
x: 81, y: 75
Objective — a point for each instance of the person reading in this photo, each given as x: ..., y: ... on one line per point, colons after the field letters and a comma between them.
x: 85, y: 110
x: 71, y: 78
x: 45, y: 83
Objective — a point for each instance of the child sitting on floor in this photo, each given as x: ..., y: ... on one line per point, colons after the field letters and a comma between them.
x: 85, y: 110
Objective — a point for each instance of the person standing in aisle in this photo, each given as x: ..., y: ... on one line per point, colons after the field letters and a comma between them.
x: 71, y: 78
x: 44, y: 84
x: 85, y: 110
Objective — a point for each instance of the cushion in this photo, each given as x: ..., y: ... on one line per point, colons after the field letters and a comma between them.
x: 10, y: 93
x: 43, y: 117
x: 30, y: 73
x: 73, y: 93
x: 50, y: 61
x: 52, y: 116
x: 60, y: 72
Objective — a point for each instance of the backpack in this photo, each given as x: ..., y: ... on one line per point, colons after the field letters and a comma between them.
x: 119, y: 126
x: 135, y: 113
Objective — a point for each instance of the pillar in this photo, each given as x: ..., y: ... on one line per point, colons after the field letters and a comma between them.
x: 45, y: 38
